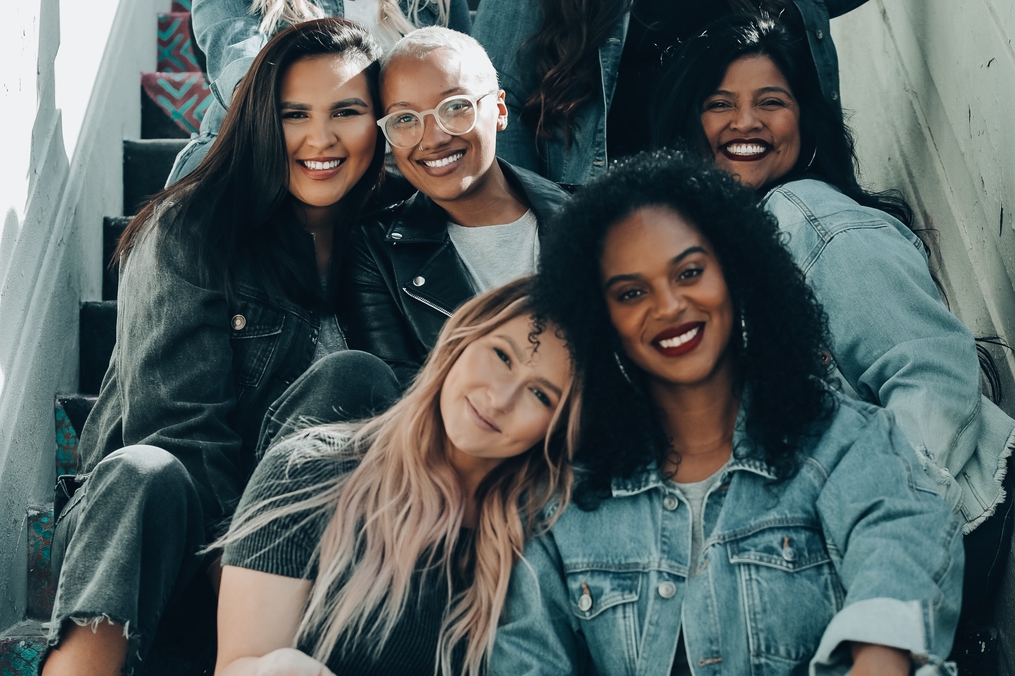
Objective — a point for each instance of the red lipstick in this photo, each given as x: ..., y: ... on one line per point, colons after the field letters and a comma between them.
x: 680, y: 339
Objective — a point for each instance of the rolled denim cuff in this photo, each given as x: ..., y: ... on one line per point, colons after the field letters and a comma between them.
x: 231, y: 75
x: 882, y: 621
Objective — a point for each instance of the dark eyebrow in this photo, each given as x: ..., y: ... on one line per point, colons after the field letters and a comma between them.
x: 344, y: 103
x: 617, y: 279
x: 402, y: 105
x: 521, y: 358
x: 769, y: 90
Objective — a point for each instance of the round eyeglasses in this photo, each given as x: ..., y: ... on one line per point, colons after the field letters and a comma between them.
x: 456, y: 115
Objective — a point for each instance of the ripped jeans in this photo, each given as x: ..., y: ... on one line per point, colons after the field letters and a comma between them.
x: 127, y: 541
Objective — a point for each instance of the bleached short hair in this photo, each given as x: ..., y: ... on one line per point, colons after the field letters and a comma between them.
x: 422, y: 41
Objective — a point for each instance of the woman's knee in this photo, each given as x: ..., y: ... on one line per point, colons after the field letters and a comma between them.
x: 141, y: 468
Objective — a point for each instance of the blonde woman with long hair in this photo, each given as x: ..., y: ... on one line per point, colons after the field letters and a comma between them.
x: 230, y: 33
x: 386, y: 546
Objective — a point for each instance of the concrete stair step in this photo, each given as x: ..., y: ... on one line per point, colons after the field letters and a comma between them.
x: 41, y: 585
x: 21, y: 649
x: 156, y: 124
x: 98, y: 335
x: 112, y: 228
x: 146, y: 165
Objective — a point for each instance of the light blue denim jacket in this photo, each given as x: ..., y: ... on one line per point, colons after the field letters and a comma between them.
x: 857, y: 546
x: 504, y: 26
x: 894, y: 342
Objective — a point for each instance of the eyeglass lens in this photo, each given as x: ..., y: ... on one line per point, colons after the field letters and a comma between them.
x: 456, y: 116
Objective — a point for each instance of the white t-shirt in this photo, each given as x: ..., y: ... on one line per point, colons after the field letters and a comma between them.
x: 497, y: 254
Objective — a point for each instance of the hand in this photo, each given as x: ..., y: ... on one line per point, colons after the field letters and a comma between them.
x: 870, y: 659
x: 290, y: 662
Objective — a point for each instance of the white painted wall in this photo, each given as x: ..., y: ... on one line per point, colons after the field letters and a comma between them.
x: 931, y: 87
x: 70, y: 90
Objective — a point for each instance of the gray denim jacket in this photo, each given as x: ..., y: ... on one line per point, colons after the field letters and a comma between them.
x: 894, y: 342
x: 503, y: 27
x: 193, y: 372
x: 857, y: 546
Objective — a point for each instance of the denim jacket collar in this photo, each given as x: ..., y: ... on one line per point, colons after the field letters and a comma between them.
x: 650, y: 477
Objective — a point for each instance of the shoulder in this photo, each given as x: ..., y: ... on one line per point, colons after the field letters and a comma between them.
x: 822, y: 206
x: 309, y: 458
x: 543, y: 195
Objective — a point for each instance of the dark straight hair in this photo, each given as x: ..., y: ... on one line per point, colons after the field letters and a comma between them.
x: 236, y: 204
x: 827, y: 148
x: 566, y: 52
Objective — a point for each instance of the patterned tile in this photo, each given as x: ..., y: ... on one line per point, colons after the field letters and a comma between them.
x: 181, y: 5
x: 175, y: 44
x: 183, y: 97
x: 41, y: 585
x: 20, y: 655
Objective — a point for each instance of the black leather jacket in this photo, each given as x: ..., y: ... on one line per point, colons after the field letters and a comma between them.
x: 403, y: 277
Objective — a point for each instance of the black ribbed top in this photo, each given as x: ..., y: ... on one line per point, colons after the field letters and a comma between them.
x: 287, y: 546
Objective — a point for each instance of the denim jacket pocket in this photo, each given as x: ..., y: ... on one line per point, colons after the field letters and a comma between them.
x: 256, y: 328
x: 789, y: 587
x: 606, y: 601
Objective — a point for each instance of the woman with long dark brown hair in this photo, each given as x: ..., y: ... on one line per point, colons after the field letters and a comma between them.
x: 579, y: 73
x: 225, y: 319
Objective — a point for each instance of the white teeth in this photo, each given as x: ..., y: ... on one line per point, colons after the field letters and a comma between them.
x: 443, y: 162
x: 320, y: 166
x: 746, y: 149
x: 676, y: 341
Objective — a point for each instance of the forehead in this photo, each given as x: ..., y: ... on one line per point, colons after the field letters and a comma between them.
x: 647, y: 237
x: 753, y: 72
x: 323, y: 74
x: 409, y: 78
x: 548, y: 356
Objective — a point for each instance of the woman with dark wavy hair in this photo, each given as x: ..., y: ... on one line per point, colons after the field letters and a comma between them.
x: 730, y: 508
x: 579, y: 73
x: 744, y: 94
x: 226, y: 326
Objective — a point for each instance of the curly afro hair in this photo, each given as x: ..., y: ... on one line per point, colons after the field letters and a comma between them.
x: 780, y: 367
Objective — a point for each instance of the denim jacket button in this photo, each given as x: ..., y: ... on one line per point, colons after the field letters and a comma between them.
x: 820, y: 34
x: 585, y: 603
x: 667, y: 590
x: 418, y: 281
x: 789, y: 554
x: 670, y: 503
x: 238, y: 322
x: 396, y: 235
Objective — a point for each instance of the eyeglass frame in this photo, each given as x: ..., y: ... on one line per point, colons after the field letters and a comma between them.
x: 474, y: 100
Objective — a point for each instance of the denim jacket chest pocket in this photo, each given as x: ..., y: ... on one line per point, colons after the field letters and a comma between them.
x: 790, y: 589
x: 256, y: 330
x: 606, y: 604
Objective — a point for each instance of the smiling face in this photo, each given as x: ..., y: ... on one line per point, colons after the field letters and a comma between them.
x: 444, y: 167
x: 501, y: 393
x: 667, y: 298
x: 752, y: 122
x: 329, y: 125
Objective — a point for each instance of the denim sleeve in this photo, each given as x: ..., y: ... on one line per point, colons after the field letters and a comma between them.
x: 538, y: 634
x: 502, y: 27
x: 898, y: 346
x: 227, y: 34
x: 174, y: 369
x: 897, y: 549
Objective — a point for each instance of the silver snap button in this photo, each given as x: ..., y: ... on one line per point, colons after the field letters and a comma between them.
x: 820, y: 33
x: 667, y: 589
x: 396, y: 235
x: 238, y: 322
x: 418, y: 281
x: 835, y: 96
x: 789, y: 554
x: 670, y: 503
x: 584, y: 603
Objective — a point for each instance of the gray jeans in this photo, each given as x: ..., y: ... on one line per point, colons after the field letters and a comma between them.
x: 127, y: 542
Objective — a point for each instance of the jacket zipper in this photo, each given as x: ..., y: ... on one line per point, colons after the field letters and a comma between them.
x: 424, y: 301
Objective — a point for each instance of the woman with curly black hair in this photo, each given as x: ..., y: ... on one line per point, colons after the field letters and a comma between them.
x: 731, y: 508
